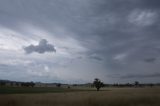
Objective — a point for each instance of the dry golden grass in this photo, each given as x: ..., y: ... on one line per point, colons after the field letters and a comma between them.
x: 110, y: 97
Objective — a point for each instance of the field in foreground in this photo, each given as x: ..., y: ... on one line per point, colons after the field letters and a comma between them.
x: 110, y: 97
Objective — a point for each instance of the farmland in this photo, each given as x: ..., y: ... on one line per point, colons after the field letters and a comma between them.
x: 25, y: 90
x: 81, y: 97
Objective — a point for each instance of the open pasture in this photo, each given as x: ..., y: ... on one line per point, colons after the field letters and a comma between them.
x: 105, y: 97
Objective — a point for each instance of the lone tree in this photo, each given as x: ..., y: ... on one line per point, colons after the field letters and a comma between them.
x: 58, y: 85
x: 136, y: 83
x: 97, y: 83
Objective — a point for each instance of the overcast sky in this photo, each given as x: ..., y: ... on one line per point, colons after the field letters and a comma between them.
x: 75, y: 41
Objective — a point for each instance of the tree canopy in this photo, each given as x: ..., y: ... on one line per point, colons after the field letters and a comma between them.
x: 98, y: 83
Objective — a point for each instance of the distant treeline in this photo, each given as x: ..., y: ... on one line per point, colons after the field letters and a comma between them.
x: 16, y: 84
x: 39, y: 84
x: 135, y: 84
x: 131, y: 85
x: 9, y: 83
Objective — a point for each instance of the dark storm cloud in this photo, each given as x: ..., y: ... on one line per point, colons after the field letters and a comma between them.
x: 149, y: 4
x: 140, y: 76
x: 150, y: 60
x: 95, y: 57
x: 41, y: 48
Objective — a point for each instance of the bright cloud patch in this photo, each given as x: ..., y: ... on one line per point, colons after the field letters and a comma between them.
x: 142, y: 17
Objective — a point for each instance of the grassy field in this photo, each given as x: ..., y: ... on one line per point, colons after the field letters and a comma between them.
x: 109, y: 97
x: 24, y: 90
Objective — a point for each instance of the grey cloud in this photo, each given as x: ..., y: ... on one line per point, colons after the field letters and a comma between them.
x: 150, y: 60
x: 41, y: 48
x: 140, y: 76
x: 96, y: 58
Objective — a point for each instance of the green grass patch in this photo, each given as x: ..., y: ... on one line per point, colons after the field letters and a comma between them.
x: 19, y: 90
x: 24, y: 90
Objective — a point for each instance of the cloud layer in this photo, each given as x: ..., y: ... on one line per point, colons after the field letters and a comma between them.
x: 91, y: 38
x: 141, y: 76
